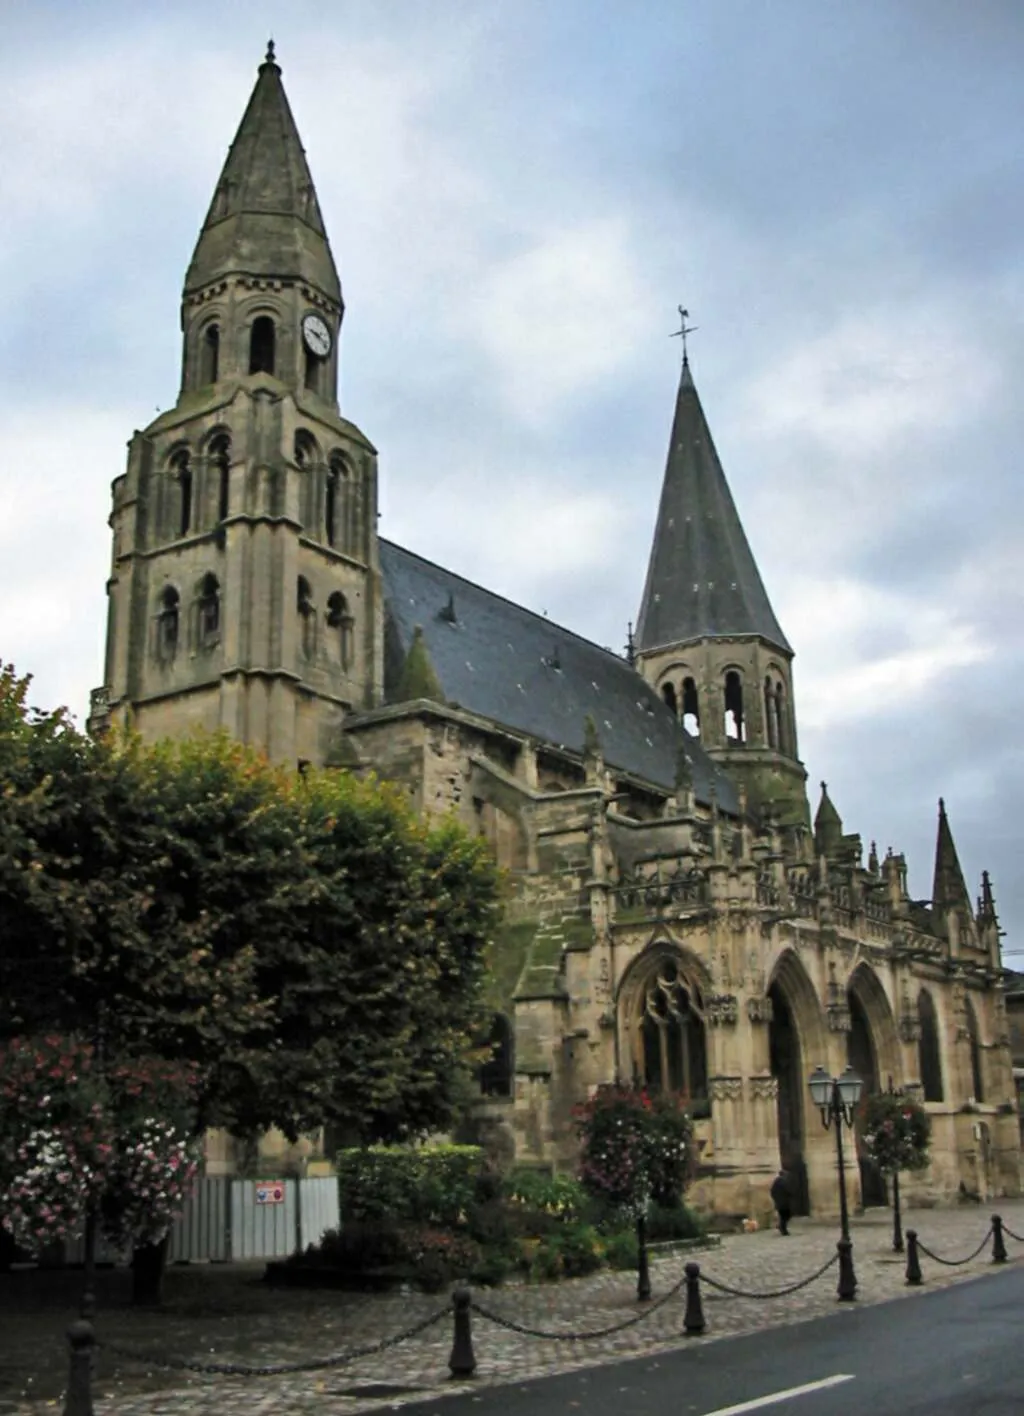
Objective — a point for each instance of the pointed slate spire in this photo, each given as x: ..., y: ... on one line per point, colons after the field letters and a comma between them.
x: 702, y: 579
x: 265, y: 219
x: 948, y: 887
x: 828, y: 825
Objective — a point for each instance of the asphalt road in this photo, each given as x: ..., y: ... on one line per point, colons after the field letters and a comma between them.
x: 959, y: 1350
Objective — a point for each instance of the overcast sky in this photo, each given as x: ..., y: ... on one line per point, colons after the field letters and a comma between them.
x: 518, y: 195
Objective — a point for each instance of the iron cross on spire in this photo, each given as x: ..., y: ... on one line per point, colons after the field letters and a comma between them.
x: 683, y: 330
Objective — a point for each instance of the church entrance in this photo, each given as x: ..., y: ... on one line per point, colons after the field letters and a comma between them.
x: 787, y: 1069
x: 862, y: 1057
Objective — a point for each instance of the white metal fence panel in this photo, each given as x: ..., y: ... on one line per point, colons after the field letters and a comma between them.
x: 318, y: 1208
x: 263, y: 1218
x: 201, y: 1230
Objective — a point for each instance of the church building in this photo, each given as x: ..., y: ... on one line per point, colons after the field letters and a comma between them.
x: 674, y: 917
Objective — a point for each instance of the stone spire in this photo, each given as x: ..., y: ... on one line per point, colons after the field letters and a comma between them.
x: 265, y: 219
x: 828, y: 825
x: 948, y: 888
x: 702, y: 579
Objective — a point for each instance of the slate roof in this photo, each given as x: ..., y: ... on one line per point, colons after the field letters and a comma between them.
x: 702, y: 579
x: 505, y: 663
x: 265, y: 218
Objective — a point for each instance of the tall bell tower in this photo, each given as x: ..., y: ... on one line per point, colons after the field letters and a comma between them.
x: 707, y: 636
x: 245, y: 588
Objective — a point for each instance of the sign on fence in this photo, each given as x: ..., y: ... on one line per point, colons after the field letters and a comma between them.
x: 270, y: 1192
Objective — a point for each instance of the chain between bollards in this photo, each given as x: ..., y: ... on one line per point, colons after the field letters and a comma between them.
x: 999, y: 1254
x: 462, y: 1362
x: 82, y: 1341
x: 693, y: 1319
x: 913, y: 1259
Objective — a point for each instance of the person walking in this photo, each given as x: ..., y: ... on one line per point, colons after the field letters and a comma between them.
x: 782, y: 1199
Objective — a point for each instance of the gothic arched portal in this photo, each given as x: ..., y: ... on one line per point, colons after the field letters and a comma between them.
x: 797, y: 1042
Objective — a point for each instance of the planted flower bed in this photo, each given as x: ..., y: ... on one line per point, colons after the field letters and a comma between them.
x: 430, y: 1215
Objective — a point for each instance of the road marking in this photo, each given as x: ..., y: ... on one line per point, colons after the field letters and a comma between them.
x: 775, y: 1396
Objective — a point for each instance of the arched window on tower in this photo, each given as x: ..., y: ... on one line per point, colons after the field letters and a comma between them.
x: 209, y: 609
x: 305, y: 450
x: 307, y: 616
x: 181, y: 470
x: 209, y: 355
x: 672, y: 1051
x: 929, y: 1054
x: 781, y: 717
x: 735, y: 724
x: 771, y: 713
x: 167, y: 623
x: 339, y: 618
x: 974, y: 1041
x: 262, y: 338
x: 220, y: 461
x: 691, y: 707
x: 495, y: 1074
x: 338, y: 518
x: 668, y: 692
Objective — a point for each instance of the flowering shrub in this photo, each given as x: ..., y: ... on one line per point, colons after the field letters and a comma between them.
x: 634, y: 1147
x: 48, y: 1198
x: 896, y: 1132
x: 74, y: 1135
x: 149, y: 1181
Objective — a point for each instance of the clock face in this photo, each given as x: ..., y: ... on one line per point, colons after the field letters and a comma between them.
x: 317, y: 336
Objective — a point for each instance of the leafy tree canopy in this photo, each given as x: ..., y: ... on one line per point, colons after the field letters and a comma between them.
x: 315, y: 950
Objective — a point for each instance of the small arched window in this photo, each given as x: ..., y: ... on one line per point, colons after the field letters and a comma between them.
x: 305, y: 450
x: 974, y: 1041
x: 735, y: 726
x: 209, y: 608
x: 307, y: 616
x: 691, y: 707
x: 336, y: 503
x: 771, y: 714
x: 262, y: 338
x: 496, y: 1073
x: 209, y: 355
x: 181, y: 467
x: 220, y: 461
x: 668, y: 692
x: 167, y: 623
x: 339, y: 617
x: 929, y: 1055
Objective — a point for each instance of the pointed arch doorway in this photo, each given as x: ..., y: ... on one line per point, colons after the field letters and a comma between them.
x: 786, y: 1065
x: 862, y: 1055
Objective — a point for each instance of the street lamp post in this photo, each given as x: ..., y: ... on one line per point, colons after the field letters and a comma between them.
x: 836, y: 1098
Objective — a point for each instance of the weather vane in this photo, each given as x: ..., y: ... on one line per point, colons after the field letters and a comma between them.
x: 684, y: 329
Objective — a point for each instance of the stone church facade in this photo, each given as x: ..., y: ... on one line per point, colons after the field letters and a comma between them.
x: 674, y: 915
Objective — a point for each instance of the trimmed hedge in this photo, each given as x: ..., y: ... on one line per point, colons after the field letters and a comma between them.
x: 429, y: 1185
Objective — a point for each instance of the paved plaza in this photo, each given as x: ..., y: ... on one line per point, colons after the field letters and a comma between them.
x: 285, y: 1327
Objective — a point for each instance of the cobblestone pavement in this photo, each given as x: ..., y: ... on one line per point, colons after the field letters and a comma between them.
x: 418, y: 1367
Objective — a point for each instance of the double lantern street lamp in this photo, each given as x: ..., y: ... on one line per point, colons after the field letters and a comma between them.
x: 836, y: 1098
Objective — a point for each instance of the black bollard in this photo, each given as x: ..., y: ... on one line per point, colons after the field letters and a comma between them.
x: 913, y: 1261
x: 897, y: 1218
x: 82, y: 1341
x: 693, y: 1320
x: 999, y: 1254
x: 643, y: 1271
x: 847, y: 1289
x: 462, y: 1362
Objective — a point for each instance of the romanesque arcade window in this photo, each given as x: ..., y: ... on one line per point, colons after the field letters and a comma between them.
x: 220, y: 462
x: 181, y: 472
x: 262, y: 339
x: 776, y: 722
x: 928, y: 1051
x: 307, y: 616
x: 209, y: 355
x: 735, y: 723
x: 670, y: 1048
x: 167, y: 623
x: 209, y: 609
x: 339, y: 618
